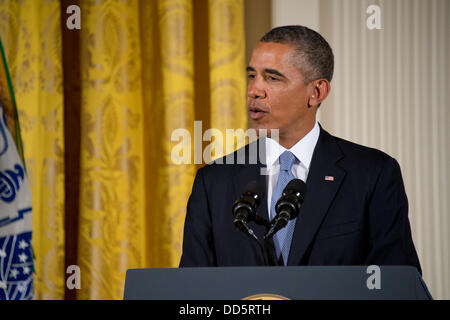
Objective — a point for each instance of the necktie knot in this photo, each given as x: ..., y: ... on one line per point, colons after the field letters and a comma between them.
x: 287, y: 160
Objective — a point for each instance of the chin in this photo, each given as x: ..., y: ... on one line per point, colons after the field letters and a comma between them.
x: 261, y: 130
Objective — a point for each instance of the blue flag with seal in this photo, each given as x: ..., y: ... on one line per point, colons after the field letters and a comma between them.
x: 16, y: 254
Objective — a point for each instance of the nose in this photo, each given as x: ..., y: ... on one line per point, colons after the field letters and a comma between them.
x: 255, y: 89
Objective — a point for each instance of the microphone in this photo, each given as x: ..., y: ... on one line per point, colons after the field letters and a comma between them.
x: 288, y: 206
x: 244, y: 208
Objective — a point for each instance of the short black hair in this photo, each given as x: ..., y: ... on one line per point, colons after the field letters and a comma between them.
x: 315, y: 57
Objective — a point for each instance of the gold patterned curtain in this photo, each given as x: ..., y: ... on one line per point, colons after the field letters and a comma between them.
x: 147, y: 68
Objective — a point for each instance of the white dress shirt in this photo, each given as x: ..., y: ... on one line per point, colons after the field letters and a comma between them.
x: 303, y: 150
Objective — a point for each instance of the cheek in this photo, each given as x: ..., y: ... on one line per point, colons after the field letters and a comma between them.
x: 283, y: 105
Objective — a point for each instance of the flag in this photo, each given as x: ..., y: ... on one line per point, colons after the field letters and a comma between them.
x: 329, y: 178
x: 16, y: 254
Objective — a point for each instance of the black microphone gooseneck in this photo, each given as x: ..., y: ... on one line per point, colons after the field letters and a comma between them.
x: 288, y: 206
x: 244, y: 211
x: 244, y: 208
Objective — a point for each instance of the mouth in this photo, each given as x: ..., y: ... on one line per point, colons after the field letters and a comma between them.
x: 256, y: 112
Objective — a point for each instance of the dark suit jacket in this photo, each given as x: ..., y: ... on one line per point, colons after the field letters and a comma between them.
x: 360, y: 218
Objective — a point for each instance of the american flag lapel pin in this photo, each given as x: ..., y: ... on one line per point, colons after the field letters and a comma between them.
x: 329, y: 178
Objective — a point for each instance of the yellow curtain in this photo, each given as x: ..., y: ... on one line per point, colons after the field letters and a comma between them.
x: 168, y: 79
x: 227, y: 71
x: 112, y: 194
x: 31, y: 35
x: 139, y: 63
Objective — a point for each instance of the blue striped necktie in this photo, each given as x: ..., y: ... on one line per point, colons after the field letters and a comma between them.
x: 282, y: 239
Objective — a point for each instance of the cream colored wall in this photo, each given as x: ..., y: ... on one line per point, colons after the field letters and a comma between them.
x: 287, y: 12
x: 391, y: 91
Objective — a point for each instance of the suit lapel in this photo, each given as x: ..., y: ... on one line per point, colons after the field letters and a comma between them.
x: 319, y: 194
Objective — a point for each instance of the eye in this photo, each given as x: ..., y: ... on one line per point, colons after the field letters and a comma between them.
x: 272, y: 78
x: 251, y: 76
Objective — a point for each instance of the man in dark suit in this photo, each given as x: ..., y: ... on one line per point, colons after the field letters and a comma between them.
x: 355, y: 210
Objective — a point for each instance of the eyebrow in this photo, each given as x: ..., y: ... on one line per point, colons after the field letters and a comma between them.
x: 275, y: 72
x: 267, y: 70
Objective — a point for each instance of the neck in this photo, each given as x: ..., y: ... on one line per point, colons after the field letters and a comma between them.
x: 289, y: 139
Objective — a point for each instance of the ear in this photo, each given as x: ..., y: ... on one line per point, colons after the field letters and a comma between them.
x: 319, y: 91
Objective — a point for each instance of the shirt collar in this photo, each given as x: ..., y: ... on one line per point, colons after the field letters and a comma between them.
x: 303, y: 149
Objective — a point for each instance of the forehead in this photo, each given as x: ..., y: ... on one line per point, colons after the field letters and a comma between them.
x: 271, y: 54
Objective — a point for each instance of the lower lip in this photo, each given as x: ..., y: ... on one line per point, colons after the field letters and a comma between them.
x: 256, y: 115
